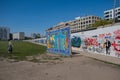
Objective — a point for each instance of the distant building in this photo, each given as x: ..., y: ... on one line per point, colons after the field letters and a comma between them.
x: 80, y: 23
x: 109, y: 14
x: 35, y: 35
x: 19, y: 36
x: 4, y: 33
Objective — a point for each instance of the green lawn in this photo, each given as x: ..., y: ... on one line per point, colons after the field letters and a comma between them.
x: 21, y: 49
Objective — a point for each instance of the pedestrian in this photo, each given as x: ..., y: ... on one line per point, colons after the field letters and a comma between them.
x: 108, y: 45
x: 10, y: 46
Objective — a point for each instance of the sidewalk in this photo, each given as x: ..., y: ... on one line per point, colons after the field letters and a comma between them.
x: 105, y: 58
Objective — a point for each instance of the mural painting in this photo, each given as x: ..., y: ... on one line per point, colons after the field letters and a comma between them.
x: 58, y: 41
x: 52, y: 41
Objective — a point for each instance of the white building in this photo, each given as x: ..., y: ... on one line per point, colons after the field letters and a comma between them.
x: 18, y: 36
x: 109, y: 14
x: 4, y: 33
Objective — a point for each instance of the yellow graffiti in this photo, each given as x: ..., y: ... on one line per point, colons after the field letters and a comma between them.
x: 52, y: 38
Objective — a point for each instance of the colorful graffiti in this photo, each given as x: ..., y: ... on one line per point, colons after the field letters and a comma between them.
x: 107, y: 35
x: 91, y: 41
x: 76, y: 41
x: 52, y: 41
x: 116, y: 42
x: 97, y: 43
x: 58, y: 41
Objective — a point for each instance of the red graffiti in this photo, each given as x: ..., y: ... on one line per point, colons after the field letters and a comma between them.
x: 108, y: 34
x: 117, y: 32
x: 101, y: 35
x: 92, y: 41
x: 105, y: 35
x: 116, y: 44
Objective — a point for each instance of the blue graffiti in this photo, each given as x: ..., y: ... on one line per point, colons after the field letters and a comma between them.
x: 76, y: 41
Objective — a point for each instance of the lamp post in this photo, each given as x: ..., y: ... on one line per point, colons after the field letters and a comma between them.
x: 114, y: 12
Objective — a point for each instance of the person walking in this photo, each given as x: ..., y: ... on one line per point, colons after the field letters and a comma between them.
x: 108, y: 45
x: 10, y: 47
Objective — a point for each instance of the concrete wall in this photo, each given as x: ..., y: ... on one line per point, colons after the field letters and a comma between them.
x: 93, y: 41
x: 39, y: 41
x: 58, y: 41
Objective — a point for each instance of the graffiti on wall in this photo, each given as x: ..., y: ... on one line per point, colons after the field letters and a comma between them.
x: 116, y: 42
x: 58, y: 41
x: 107, y: 35
x: 52, y: 41
x: 98, y: 44
x: 76, y: 41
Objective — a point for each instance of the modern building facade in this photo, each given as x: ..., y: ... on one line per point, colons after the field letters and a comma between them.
x: 19, y: 36
x: 110, y: 14
x: 80, y: 23
x: 4, y: 33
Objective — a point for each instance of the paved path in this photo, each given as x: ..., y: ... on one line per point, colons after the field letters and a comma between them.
x: 106, y: 58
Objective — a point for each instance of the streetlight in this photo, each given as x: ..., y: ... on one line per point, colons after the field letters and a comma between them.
x: 114, y: 12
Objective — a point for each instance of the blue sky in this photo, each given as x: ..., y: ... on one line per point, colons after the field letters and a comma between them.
x: 32, y: 16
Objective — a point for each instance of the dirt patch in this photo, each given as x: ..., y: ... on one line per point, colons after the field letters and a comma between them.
x: 70, y: 68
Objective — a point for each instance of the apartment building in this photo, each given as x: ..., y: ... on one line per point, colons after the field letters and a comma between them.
x: 18, y: 36
x: 109, y: 14
x: 4, y: 33
x: 80, y: 23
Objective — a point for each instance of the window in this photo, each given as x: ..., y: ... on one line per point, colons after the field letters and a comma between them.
x: 86, y: 21
x: 74, y: 21
x: 86, y: 18
x: 107, y: 16
x: 107, y: 13
x: 118, y: 13
x: 89, y: 21
x: 110, y: 15
x: 89, y: 17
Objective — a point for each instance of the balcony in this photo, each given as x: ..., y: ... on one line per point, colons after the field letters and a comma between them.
x: 106, y: 13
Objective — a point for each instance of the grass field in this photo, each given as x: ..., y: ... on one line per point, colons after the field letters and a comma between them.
x: 21, y: 49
